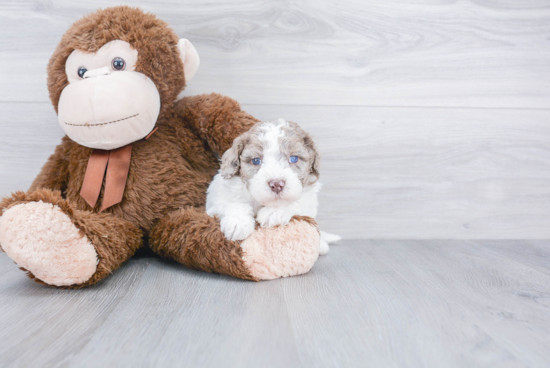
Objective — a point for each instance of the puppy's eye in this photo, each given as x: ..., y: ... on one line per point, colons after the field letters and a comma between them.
x: 293, y: 159
x: 118, y: 63
x: 82, y: 71
x: 256, y: 161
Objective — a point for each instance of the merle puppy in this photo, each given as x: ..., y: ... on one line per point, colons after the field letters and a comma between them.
x: 269, y: 175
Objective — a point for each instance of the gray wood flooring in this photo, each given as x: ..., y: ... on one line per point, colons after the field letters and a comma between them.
x: 433, y: 117
x: 375, y: 303
x: 483, y: 53
x: 466, y: 174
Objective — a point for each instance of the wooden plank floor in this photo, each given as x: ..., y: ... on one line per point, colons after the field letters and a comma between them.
x: 432, y: 116
x: 455, y: 173
x: 377, y: 303
x: 484, y: 53
x: 433, y: 120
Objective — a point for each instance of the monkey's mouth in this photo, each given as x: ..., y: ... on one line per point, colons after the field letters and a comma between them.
x: 109, y: 122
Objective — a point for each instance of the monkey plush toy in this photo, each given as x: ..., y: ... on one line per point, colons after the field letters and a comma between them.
x: 135, y: 165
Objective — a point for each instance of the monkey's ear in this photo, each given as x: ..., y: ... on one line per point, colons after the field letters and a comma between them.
x: 190, y: 58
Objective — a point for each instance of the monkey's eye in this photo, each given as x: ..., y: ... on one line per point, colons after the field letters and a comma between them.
x: 293, y: 159
x: 118, y: 63
x: 82, y: 71
x: 256, y: 161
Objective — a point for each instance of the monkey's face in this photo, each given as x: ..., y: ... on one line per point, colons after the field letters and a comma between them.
x: 112, y: 72
x: 107, y: 104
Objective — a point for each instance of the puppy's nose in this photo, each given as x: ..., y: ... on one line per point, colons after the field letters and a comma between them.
x: 277, y: 185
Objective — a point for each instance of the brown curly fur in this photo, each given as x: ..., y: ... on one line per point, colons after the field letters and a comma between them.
x: 206, y: 248
x: 114, y: 239
x: 169, y: 173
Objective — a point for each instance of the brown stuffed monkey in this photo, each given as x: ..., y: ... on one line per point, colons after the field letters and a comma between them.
x: 135, y: 164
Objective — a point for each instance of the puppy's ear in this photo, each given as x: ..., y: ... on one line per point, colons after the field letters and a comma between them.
x: 316, y: 157
x: 231, y: 159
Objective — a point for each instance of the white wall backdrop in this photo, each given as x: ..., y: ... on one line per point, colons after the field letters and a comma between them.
x: 433, y: 116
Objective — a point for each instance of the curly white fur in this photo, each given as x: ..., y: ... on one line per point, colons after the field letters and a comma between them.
x: 238, y: 201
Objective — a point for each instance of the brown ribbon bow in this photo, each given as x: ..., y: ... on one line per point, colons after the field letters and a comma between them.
x: 117, y: 163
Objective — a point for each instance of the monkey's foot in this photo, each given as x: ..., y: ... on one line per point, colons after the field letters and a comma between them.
x: 194, y: 239
x: 43, y: 240
x: 282, y: 251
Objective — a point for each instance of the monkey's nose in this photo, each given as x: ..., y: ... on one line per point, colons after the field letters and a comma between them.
x: 97, y: 72
x: 277, y: 185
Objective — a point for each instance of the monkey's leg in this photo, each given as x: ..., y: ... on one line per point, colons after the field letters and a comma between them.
x: 61, y: 246
x: 194, y: 239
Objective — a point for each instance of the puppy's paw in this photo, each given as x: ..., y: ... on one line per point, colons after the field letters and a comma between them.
x: 271, y: 216
x: 323, y: 247
x: 237, y: 227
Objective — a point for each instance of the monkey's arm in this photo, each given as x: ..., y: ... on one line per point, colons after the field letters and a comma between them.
x: 55, y: 172
x: 215, y: 118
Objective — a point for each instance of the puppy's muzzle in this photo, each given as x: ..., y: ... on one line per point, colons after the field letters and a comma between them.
x: 277, y: 185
